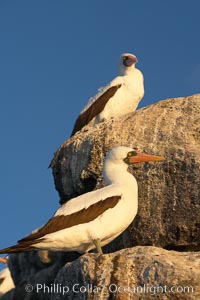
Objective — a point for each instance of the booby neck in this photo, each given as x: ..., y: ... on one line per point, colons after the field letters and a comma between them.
x: 115, y: 172
x: 123, y: 71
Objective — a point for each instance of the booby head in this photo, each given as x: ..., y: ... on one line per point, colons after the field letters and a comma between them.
x: 127, y: 62
x: 117, y: 160
x: 117, y: 154
x: 122, y: 154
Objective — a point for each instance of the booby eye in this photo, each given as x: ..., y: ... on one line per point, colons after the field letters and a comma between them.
x: 129, y: 155
x: 132, y: 153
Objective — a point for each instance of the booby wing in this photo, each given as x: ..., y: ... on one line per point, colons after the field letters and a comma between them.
x: 60, y: 222
x: 95, y: 106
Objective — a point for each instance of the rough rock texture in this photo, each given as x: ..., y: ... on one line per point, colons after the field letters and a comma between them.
x: 169, y: 191
x: 169, y: 207
x: 142, y: 273
x: 135, y: 273
x: 30, y: 268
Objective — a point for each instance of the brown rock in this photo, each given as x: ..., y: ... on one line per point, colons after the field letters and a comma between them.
x: 169, y: 191
x: 137, y: 273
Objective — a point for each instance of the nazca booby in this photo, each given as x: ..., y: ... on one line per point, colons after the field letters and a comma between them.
x: 6, y: 282
x: 119, y: 97
x: 95, y: 218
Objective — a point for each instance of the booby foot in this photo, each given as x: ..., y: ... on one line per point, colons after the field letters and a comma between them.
x: 98, y: 246
x: 44, y: 256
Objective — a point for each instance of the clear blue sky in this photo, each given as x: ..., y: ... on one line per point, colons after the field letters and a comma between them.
x: 54, y: 55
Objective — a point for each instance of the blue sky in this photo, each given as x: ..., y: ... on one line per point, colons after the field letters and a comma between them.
x: 54, y: 55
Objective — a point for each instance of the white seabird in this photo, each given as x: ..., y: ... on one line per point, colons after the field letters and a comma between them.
x: 96, y: 218
x: 121, y: 96
x: 6, y: 282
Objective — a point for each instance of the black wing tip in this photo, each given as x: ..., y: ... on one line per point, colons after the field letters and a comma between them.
x: 21, y: 247
x: 12, y: 249
x: 73, y: 133
x: 77, y: 126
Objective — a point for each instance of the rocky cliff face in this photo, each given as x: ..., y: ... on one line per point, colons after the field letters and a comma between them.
x: 168, y: 215
x: 169, y: 192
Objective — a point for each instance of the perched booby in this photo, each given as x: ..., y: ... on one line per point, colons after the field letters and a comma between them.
x: 96, y: 218
x: 119, y: 97
x: 6, y: 282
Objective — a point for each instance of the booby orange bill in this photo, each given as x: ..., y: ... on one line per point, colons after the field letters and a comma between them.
x: 143, y: 157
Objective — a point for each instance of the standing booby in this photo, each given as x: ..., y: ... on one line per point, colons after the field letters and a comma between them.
x: 119, y: 97
x: 6, y: 282
x: 96, y: 218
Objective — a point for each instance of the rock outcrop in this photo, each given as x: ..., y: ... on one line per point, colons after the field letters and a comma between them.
x: 169, y: 192
x: 168, y: 215
x: 135, y: 273
x: 141, y: 272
